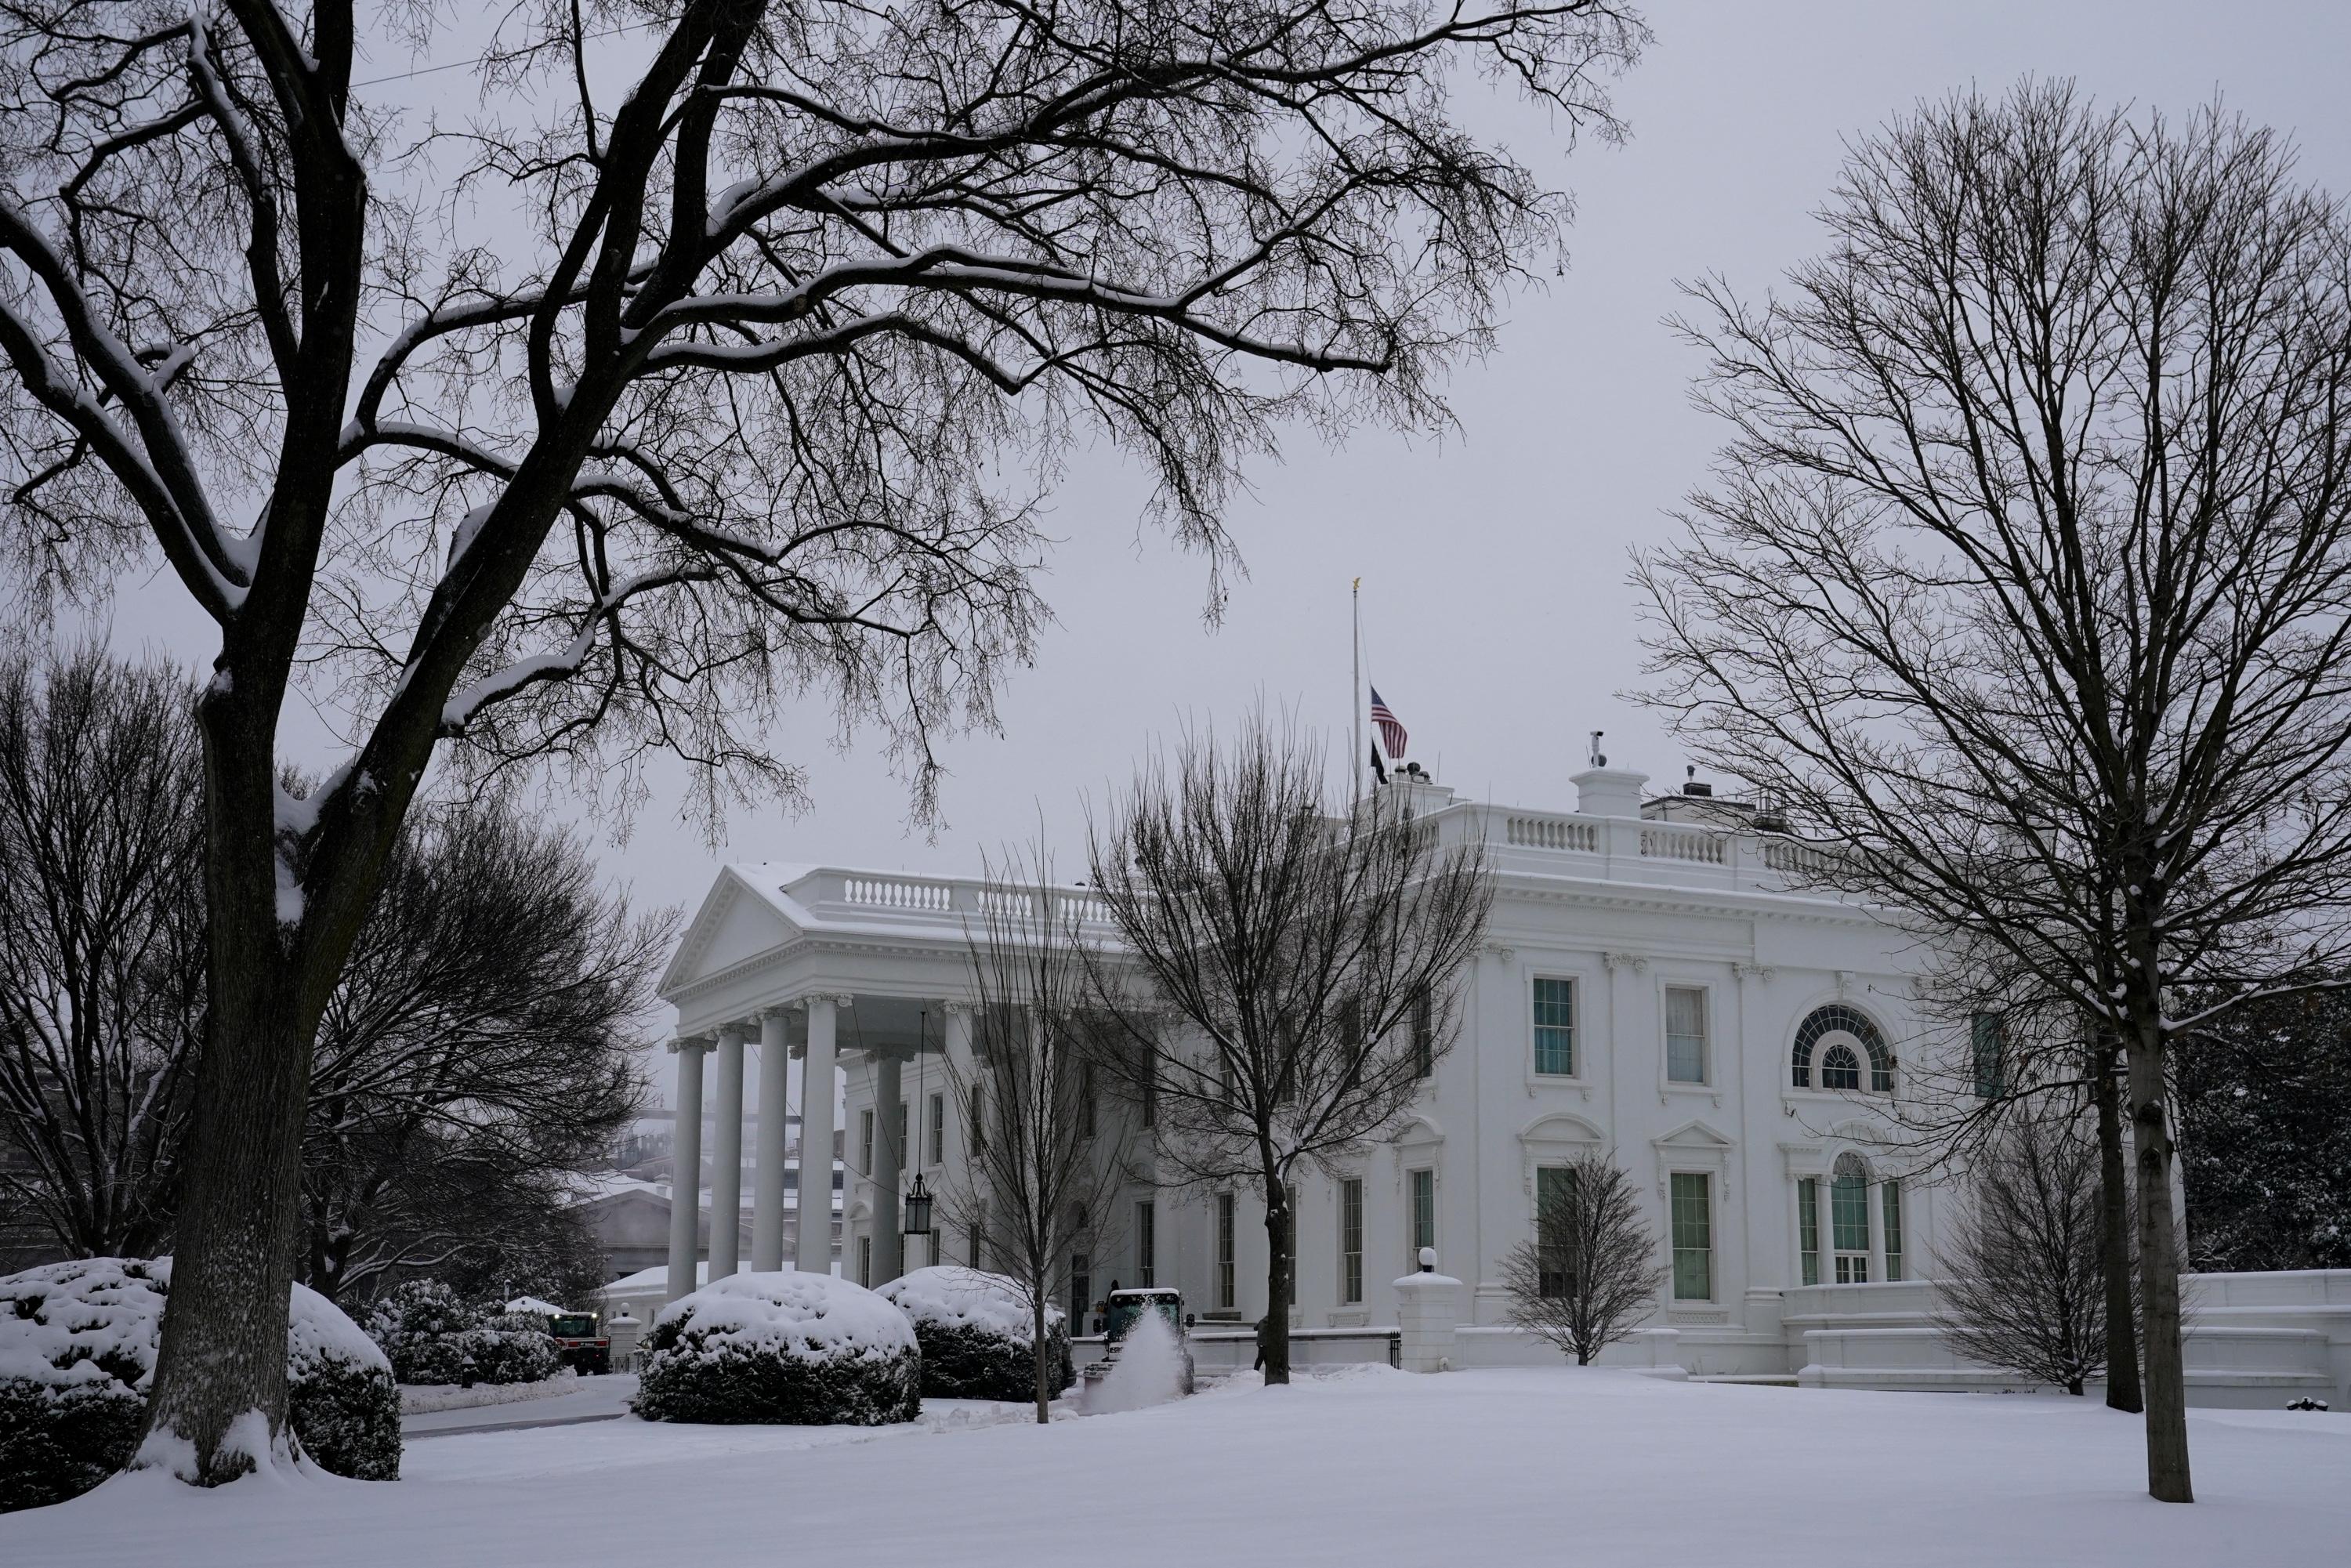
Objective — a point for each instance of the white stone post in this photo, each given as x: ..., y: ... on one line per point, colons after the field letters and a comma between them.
x: 767, y: 1167
x: 685, y: 1166
x: 726, y: 1161
x: 1428, y: 1311
x: 813, y: 1252
x: 889, y: 1160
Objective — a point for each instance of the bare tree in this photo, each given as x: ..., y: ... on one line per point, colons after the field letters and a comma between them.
x: 1307, y: 955
x: 480, y: 1049
x: 101, y: 948
x: 612, y: 425
x: 2025, y: 580
x: 1591, y: 1273
x: 1042, y: 1173
x: 477, y: 1050
x: 2022, y: 1287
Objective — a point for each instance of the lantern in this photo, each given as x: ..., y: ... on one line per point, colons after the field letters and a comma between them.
x: 917, y: 1208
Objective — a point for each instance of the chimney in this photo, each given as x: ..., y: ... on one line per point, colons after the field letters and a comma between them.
x: 1609, y: 791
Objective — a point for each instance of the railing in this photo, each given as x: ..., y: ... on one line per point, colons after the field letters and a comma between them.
x: 1795, y: 859
x: 1552, y: 833
x: 879, y: 893
x: 1681, y: 845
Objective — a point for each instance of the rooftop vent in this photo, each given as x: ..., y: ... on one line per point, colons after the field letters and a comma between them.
x: 1695, y: 788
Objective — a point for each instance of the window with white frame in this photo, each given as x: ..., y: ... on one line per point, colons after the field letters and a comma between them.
x: 1849, y: 1219
x: 1554, y: 1023
x: 1808, y: 1228
x: 1350, y: 1240
x: 1692, y: 1202
x: 1146, y: 1243
x: 866, y: 1261
x: 1890, y: 1194
x: 1420, y: 1193
x: 865, y: 1140
x: 938, y: 1129
x: 1225, y: 1300
x: 1686, y: 1034
x: 1555, y: 1230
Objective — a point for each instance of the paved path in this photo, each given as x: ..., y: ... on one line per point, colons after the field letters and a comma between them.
x: 597, y: 1399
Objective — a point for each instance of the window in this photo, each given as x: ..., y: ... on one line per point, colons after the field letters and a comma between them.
x: 1555, y: 1028
x: 1289, y: 1196
x: 1086, y: 1100
x: 1892, y: 1192
x: 1350, y: 1240
x: 1081, y: 1291
x: 1693, y: 1222
x: 1990, y: 1052
x: 1555, y: 1231
x: 1146, y: 1243
x: 938, y: 1129
x: 866, y: 1261
x: 1849, y: 1219
x: 903, y: 1148
x: 1856, y: 1036
x: 1808, y: 1228
x: 1424, y: 1038
x: 979, y: 1124
x: 865, y: 1140
x: 1224, y: 1299
x: 1420, y: 1188
x: 1686, y: 1034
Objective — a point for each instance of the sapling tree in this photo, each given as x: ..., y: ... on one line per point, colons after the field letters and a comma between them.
x: 1590, y: 1274
x: 1285, y: 978
x: 715, y: 363
x: 2025, y: 583
x: 1043, y: 1171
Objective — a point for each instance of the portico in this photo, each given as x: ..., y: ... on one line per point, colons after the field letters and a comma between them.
x: 854, y: 978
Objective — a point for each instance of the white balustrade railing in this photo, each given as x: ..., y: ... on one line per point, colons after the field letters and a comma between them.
x: 889, y: 892
x: 1552, y: 833
x: 1682, y: 844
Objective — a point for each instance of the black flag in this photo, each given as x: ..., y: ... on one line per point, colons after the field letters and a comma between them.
x: 1378, y: 771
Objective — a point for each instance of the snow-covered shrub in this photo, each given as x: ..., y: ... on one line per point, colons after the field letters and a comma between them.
x: 430, y: 1335
x: 77, y: 1345
x: 977, y: 1333
x: 513, y: 1349
x: 788, y: 1349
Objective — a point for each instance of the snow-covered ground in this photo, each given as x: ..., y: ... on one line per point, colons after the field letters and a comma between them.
x: 416, y: 1398
x: 1365, y: 1466
x: 569, y: 1399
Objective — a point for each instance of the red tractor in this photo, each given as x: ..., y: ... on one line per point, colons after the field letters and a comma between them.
x: 582, y: 1342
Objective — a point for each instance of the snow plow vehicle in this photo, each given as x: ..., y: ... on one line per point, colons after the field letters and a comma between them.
x: 580, y: 1339
x: 1122, y: 1313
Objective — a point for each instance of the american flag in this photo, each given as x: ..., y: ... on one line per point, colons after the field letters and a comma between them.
x: 1391, y: 732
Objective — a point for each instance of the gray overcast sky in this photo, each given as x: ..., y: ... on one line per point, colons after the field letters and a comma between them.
x: 1497, y: 620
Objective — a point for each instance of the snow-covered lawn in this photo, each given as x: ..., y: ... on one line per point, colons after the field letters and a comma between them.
x: 1367, y: 1466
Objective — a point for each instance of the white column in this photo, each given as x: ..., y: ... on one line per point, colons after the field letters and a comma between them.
x: 685, y: 1166
x: 726, y: 1161
x: 1824, y: 1204
x: 813, y: 1251
x: 1874, y: 1200
x: 767, y: 1168
x: 889, y: 1245
x: 959, y: 1177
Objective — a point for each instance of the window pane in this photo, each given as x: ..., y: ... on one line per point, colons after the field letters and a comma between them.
x: 1224, y: 1251
x: 1808, y: 1226
x: 1423, y: 1213
x: 1892, y: 1202
x: 1554, y: 1003
x: 938, y: 1112
x: 1849, y: 1212
x: 1350, y: 1240
x: 1985, y: 1028
x: 1555, y: 1231
x: 1146, y: 1243
x: 1686, y: 1034
x: 1693, y: 1226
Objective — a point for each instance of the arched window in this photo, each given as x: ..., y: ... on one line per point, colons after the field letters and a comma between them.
x: 1849, y: 1216
x: 1843, y: 1035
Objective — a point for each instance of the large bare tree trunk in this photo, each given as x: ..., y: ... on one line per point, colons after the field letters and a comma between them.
x: 2113, y: 1235
x: 1274, y: 1337
x: 2158, y: 1264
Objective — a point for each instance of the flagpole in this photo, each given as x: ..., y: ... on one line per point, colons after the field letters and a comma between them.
x: 1355, y: 767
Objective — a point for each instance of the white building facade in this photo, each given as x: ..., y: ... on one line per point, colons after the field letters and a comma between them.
x: 1652, y: 986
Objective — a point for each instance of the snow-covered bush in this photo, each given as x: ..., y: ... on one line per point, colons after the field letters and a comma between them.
x: 977, y: 1333
x: 788, y: 1349
x: 77, y: 1347
x: 431, y: 1334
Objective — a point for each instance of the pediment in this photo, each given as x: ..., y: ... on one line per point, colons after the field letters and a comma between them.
x: 1560, y: 1127
x: 735, y: 922
x: 1694, y: 1135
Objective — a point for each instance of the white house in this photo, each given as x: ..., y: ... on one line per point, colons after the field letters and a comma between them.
x: 1651, y: 986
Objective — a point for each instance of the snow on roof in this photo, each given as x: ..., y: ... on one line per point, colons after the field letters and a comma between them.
x: 958, y: 1297
x: 533, y: 1304
x: 811, y: 1317
x: 93, y: 1318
